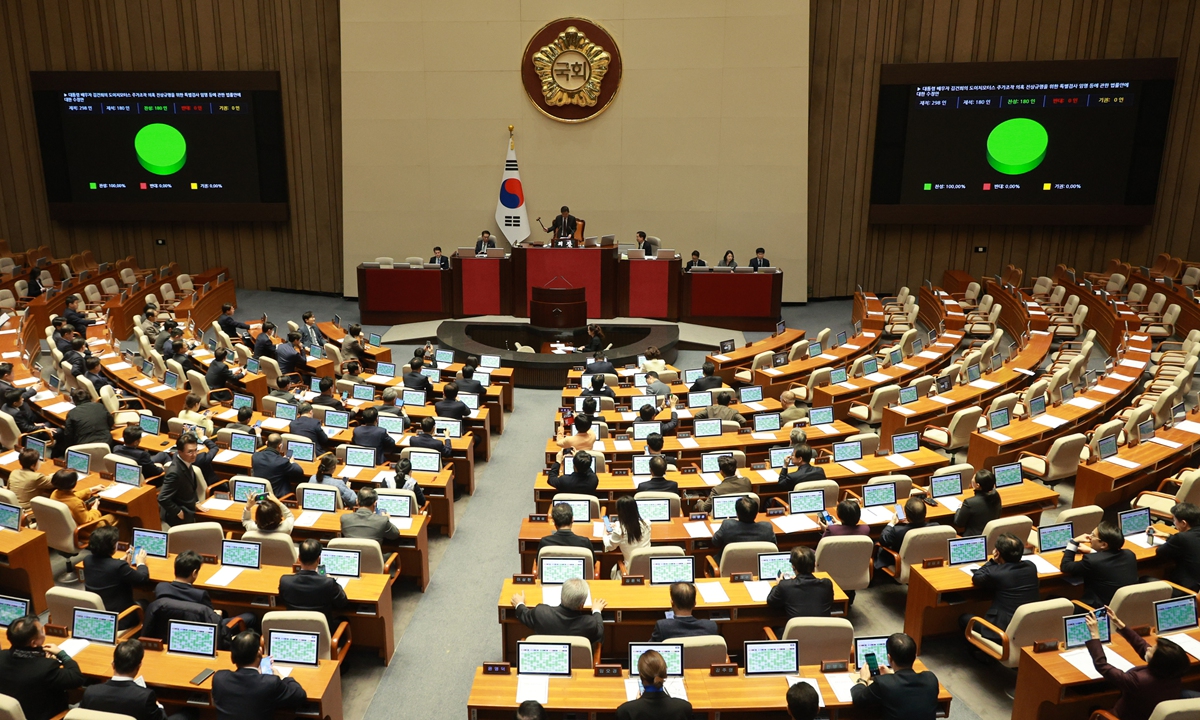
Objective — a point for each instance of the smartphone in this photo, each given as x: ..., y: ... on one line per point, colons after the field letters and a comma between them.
x: 828, y: 517
x: 264, y: 666
x: 260, y: 497
x: 899, y: 511
x: 205, y: 674
x: 872, y: 663
x: 137, y: 550
x: 321, y: 569
x: 1101, y: 614
x: 608, y: 526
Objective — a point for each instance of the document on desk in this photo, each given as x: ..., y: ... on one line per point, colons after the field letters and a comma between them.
x: 1121, y: 378
x: 1107, y: 390
x: 793, y: 680
x: 1140, y: 539
x: 1118, y: 460
x: 10, y: 457
x: 906, y: 366
x: 900, y: 461
x: 25, y: 381
x: 853, y: 467
x: 1165, y: 442
x: 756, y: 407
x: 230, y: 414
x: 1044, y: 566
x: 226, y: 456
x: 969, y: 568
x: 849, y: 385
x: 1139, y: 364
x: 308, y: 518
x: 712, y: 592
x: 763, y: 436
x: 599, y: 446
x: 769, y: 475
x: 721, y: 358
x: 224, y: 576
x: 1050, y: 421
x: 983, y: 384
x: 942, y: 399
x: 943, y: 344
x: 1188, y: 427
x: 1082, y: 660
x: 275, y: 423
x: 73, y: 646
x: 877, y: 514
x: 629, y: 416
x: 598, y: 529
x: 1190, y: 644
x: 698, y: 529
x: 689, y: 443
x: 841, y: 684
x: 998, y: 437
x: 827, y: 356
x: 877, y: 377
x: 683, y: 412
x: 381, y: 379
x: 158, y: 389
x: 848, y: 346
x: 115, y: 491
x: 1085, y: 403
x: 758, y: 589
x: 903, y: 410
x: 710, y: 478
x: 349, y: 472
x: 951, y: 503
x: 622, y: 446
x: 772, y: 371
x: 533, y: 687
x: 401, y: 523
x: 216, y: 504
x: 118, y: 366
x: 796, y: 522
x: 60, y: 407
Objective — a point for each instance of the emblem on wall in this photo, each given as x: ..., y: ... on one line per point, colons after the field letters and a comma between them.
x: 571, y: 69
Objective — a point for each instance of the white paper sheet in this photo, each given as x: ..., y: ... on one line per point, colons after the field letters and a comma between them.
x: 906, y: 366
x: 853, y: 467
x: 877, y: 377
x: 984, y: 384
x: 829, y: 429
x: 710, y: 478
x: 683, y: 412
x: 73, y: 646
x: 1165, y: 442
x: 349, y: 472
x: 849, y: 385
x: 1139, y: 539
x: 230, y: 414
x: 969, y: 568
x: 224, y: 576
x: 769, y: 475
x: 599, y: 446
x: 629, y: 416
x: 276, y: 423
x: 942, y: 399
x: 1121, y: 378
x: 622, y: 446
x: 722, y: 358
x: 598, y: 529
x: 901, y: 461
x: 1050, y: 421
x: 1107, y: 390
x: 773, y: 371
x: 533, y: 687
x: 712, y: 592
x: 216, y: 504
x: 60, y: 408
x: 44, y: 395
x: 848, y: 346
x: 1138, y: 364
x: 997, y: 436
x: 952, y: 503
x: 158, y: 389
x: 689, y: 443
x: 1085, y: 403
x: 118, y: 366
x: 758, y: 589
x: 9, y: 457
x: 25, y: 381
x: 698, y: 529
x: 1122, y: 462
x: 876, y: 515
x: 1190, y: 644
x: 798, y: 522
x: 841, y: 684
x: 308, y: 518
x: 1044, y: 566
x: 763, y: 435
x: 1188, y: 427
x: 931, y: 355
x: 792, y: 680
x: 381, y: 379
x: 116, y: 490
x: 1082, y: 660
x: 903, y: 410
x: 943, y: 344
x: 1024, y: 371
x: 401, y: 523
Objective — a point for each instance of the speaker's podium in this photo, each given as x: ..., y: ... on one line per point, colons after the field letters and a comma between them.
x: 558, y: 307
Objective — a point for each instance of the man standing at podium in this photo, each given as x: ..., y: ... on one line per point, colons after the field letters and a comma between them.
x: 563, y: 228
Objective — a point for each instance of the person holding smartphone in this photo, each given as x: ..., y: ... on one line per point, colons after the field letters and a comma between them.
x: 255, y: 690
x: 632, y: 533
x: 425, y: 438
x: 1142, y: 687
x: 897, y: 692
x: 804, y: 595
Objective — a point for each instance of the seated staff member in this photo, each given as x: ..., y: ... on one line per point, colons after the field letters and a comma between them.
x: 78, y: 501
x: 760, y: 259
x: 365, y: 523
x: 324, y: 476
x: 369, y: 434
x: 308, y: 590
x: 682, y: 623
x: 583, y: 438
x: 982, y: 507
x: 122, y: 694
x: 1184, y: 546
x: 599, y: 388
x: 264, y: 344
x: 219, y: 376
x: 744, y: 529
x: 149, y: 323
x: 77, y: 355
x: 567, y: 618
x: 1145, y: 686
x: 1011, y: 580
x: 654, y: 703
x: 582, y: 480
x: 721, y: 410
x: 450, y: 406
x: 16, y: 407
x: 804, y: 595
x: 425, y: 438
x: 731, y: 483
x: 439, y: 259
x: 696, y: 262
x: 708, y: 379
x: 36, y: 674
x: 92, y: 373
x: 728, y: 260
x: 898, y: 692
x: 246, y: 693
x: 228, y: 325
x: 802, y: 470
x: 646, y: 413
x: 27, y: 483
x: 467, y: 383
x: 484, y: 243
x: 792, y: 411
x: 1105, y: 566
x: 270, y: 464
x: 113, y: 578
x: 657, y: 481
x: 643, y: 244
x: 656, y: 387
x: 563, y: 535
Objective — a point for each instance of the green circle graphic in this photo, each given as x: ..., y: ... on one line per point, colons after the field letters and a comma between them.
x: 1017, y: 146
x: 160, y: 148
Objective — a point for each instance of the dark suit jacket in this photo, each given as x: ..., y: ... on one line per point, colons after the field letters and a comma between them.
x: 558, y: 223
x: 803, y: 596
x: 364, y: 523
x: 470, y: 385
x: 573, y: 482
x: 902, y: 695
x: 686, y: 626
x: 417, y: 381
x: 557, y: 620
x: 123, y: 697
x: 289, y: 358
x: 443, y: 262
x: 219, y: 376
x: 655, y: 705
x: 330, y: 401
x: 24, y: 424
x: 1140, y: 691
x: 142, y: 457
x: 263, y: 346
x: 98, y: 381
x: 77, y: 320
x: 756, y: 263
x: 712, y: 382
x: 178, y: 492
x: 1012, y: 585
x: 246, y: 694
x: 88, y: 423
x: 230, y: 326
x: 604, y: 391
x: 735, y: 530
x: 789, y: 479
x: 311, y: 591
x: 63, y: 345
x: 1103, y: 573
x: 604, y: 366
x: 977, y: 511
x: 113, y: 580
x: 39, y: 683
x: 309, y: 427
x: 695, y: 263
x: 281, y: 472
x: 657, y: 484
x: 311, y: 335
x: 76, y: 359
x: 1184, y: 549
x: 376, y: 437
x: 429, y: 442
x: 456, y: 409
x: 183, y: 592
x: 564, y: 537
x: 892, y: 536
x: 482, y: 245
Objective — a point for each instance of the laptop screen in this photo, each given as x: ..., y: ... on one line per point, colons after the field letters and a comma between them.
x: 947, y: 485
x: 700, y: 399
x: 1134, y: 521
x: 581, y: 510
x: 443, y: 356
x: 944, y: 383
x: 878, y: 494
x: 149, y: 424
x: 544, y: 659
x: 340, y: 562
x: 242, y: 442
x: 655, y: 510
x: 1107, y: 446
x: 727, y: 346
x: 302, y: 451
x: 240, y: 401
x: 170, y: 379
x: 1067, y: 391
x: 725, y: 506
x: 753, y: 393
x: 841, y: 338
x: 385, y: 369
x: 641, y: 464
x: 908, y: 395
x: 837, y: 375
x: 998, y: 419
x: 870, y: 366
x: 772, y: 657
x: 806, y: 501
x: 430, y: 462
x: 374, y: 339
x: 1076, y: 631
x: 709, y: 461
x: 906, y: 443
x: 918, y: 346
x: 875, y: 645
x: 667, y: 570
x: 337, y: 419
x: 637, y: 402
x: 318, y: 499
x: 12, y: 608
x: 1175, y: 614
x: 1054, y: 537
x: 1007, y: 475
x: 127, y: 474
x: 293, y: 647
x: 191, y: 638
x: 241, y: 553
x: 471, y: 400
x: 489, y: 361
x: 973, y: 372
x: 642, y: 430
x: 968, y: 550
x: 847, y: 451
x: 820, y: 415
x: 450, y: 426
x: 414, y: 397
x: 692, y: 375
x: 779, y: 456
x: 707, y: 427
x: 363, y: 392
x: 95, y: 625
x: 10, y: 517
x: 38, y: 446
x: 557, y: 570
x: 243, y: 489
x: 394, y: 505
x: 431, y: 374
x: 252, y: 365
x: 1037, y: 406
x: 80, y: 462
x: 1146, y: 430
x: 776, y: 565
x: 767, y: 422
x: 360, y: 456
x: 152, y: 541
x: 672, y: 654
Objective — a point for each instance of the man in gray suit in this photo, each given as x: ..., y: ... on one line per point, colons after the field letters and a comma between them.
x: 364, y: 523
x: 568, y: 617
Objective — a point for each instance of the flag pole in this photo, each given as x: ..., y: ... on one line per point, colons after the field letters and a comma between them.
x: 511, y: 144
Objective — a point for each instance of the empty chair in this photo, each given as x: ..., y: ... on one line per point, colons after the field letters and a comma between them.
x: 1154, y: 308
x: 984, y: 326
x: 277, y: 547
x: 386, y: 262
x: 1072, y: 327
x: 1191, y: 278
x: 760, y: 361
x: 1060, y: 463
x: 817, y: 378
x: 702, y: 651
x: 829, y: 487
x: 371, y: 559
x: 1036, y: 390
x: 1164, y: 326
x: 1134, y: 604
x: 970, y: 298
x: 1083, y: 520
x: 740, y: 557
x: 847, y: 559
x: 869, y: 440
x: 1032, y: 622
x: 955, y: 436
x: 904, y: 484
x: 62, y: 601
x: 184, y: 281
x: 923, y: 384
x: 203, y: 537
x: 1187, y: 489
x: 899, y: 323
x: 872, y: 413
x: 639, y: 560
x: 820, y: 638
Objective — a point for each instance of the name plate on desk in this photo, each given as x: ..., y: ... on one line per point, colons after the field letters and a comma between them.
x: 208, y: 559
x: 745, y: 431
x: 723, y: 669
x: 773, y: 511
x: 55, y: 630
x: 680, y: 435
x: 758, y: 466
x: 622, y: 438
x: 741, y: 577
x: 1042, y: 646
x: 538, y: 517
x: 497, y: 668
x: 933, y: 563
x: 608, y: 671
x: 835, y: 666
x: 633, y: 580
x: 152, y: 644
x: 524, y: 579
x: 571, y: 386
x: 620, y: 472
x: 688, y: 470
x: 698, y: 516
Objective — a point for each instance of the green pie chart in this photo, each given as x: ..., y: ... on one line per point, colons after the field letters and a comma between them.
x: 160, y: 148
x: 1017, y: 146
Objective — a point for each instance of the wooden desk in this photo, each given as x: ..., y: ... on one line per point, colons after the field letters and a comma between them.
x: 1189, y: 309
x: 938, y: 307
x: 648, y: 288
x: 741, y: 358
x: 482, y: 285
x: 594, y: 269
x: 1111, y: 324
x: 501, y: 376
x: 745, y: 301
x: 1105, y: 483
x: 493, y: 697
x: 139, y: 505
x: 207, y: 306
x: 169, y: 675
x: 776, y: 380
x: 621, y: 422
x: 335, y: 335
x: 633, y: 609
x: 426, y: 295
x: 39, y: 310
x: 25, y: 565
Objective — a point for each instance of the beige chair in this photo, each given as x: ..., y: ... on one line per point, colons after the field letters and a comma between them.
x: 1163, y: 327
x: 274, y: 375
x: 62, y: 602
x: 1103, y: 430
x: 583, y: 657
x: 112, y: 459
x: 10, y: 709
x: 918, y: 545
x: 414, y: 261
x: 1187, y: 484
x: 1018, y: 525
x: 1031, y: 623
x: 639, y: 561
x: 371, y: 558
x: 1007, y: 401
x: 923, y: 384
x: 1184, y: 709
x: 85, y: 714
x: 95, y: 453
x: 892, y: 304
x: 676, y: 509
x: 830, y: 487
x: 203, y: 537
x: 984, y: 326
x: 820, y: 638
x: 386, y: 262
x: 593, y: 502
x: 277, y: 548
x: 702, y: 651
x: 184, y: 281
x: 872, y: 413
x: 590, y: 566
x: 760, y: 362
x: 740, y: 557
x: 62, y: 534
x: 301, y: 487
x: 329, y: 647
x: 847, y: 559
x: 900, y: 323
x: 955, y: 436
x: 869, y: 440
x: 1072, y: 327
x: 1060, y: 463
x: 1134, y: 604
x: 1036, y: 390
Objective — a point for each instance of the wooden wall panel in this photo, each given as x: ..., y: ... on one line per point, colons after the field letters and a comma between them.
x: 852, y: 38
x: 298, y: 38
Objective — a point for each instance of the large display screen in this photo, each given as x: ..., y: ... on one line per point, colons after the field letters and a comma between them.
x: 162, y: 145
x: 1070, y: 142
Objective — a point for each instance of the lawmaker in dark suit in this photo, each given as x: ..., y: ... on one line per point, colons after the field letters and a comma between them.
x: 744, y: 529
x: 892, y: 535
x: 731, y: 483
x: 121, y: 694
x: 1142, y: 687
x: 183, y: 587
x: 228, y: 325
x: 308, y: 590
x: 709, y: 380
x: 898, y: 692
x: 87, y: 422
x: 802, y: 470
x: 759, y: 260
x: 247, y: 694
x: 7, y: 378
x: 563, y: 535
x: 364, y: 523
x: 804, y: 595
x: 563, y: 226
x: 414, y: 380
x: 76, y: 319
x: 658, y: 483
x: 484, y: 243
x: 16, y: 406
x: 450, y: 406
x: 307, y: 426
x: 695, y: 262
x: 264, y: 345
x: 310, y: 334
x: 439, y: 259
x: 583, y: 480
x: 131, y: 436
x: 113, y: 578
x: 654, y: 703
x: 219, y: 376
x: 177, y: 497
x: 36, y: 674
x: 289, y: 355
x: 426, y: 440
x: 683, y: 602
x: 467, y: 383
x: 369, y: 434
x: 599, y: 366
x: 982, y: 507
x: 567, y: 618
x: 1105, y: 566
x: 271, y: 465
x: 1011, y: 581
x: 326, y: 395
x: 1184, y: 546
x: 76, y: 357
x: 92, y: 373
x: 599, y: 388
